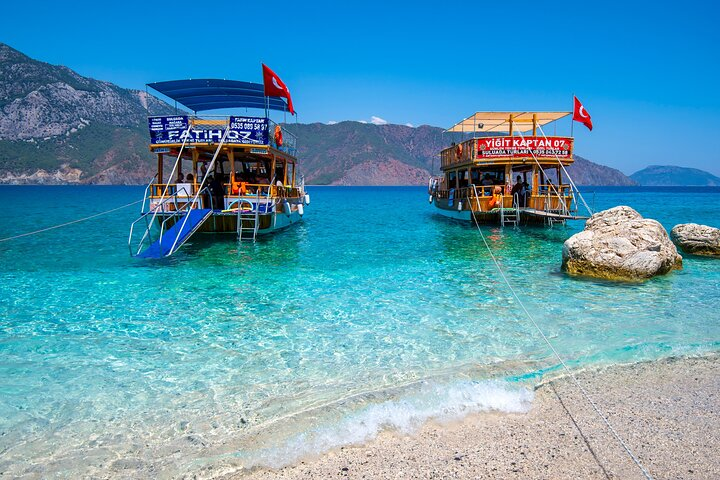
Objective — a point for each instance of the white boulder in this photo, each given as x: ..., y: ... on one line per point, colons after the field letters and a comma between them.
x: 697, y: 239
x: 620, y: 244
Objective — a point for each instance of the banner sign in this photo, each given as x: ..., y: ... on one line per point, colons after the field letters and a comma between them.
x: 167, y: 129
x: 173, y: 130
x: 517, y: 147
x: 249, y: 130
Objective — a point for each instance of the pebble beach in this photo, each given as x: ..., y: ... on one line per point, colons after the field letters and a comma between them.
x: 667, y: 412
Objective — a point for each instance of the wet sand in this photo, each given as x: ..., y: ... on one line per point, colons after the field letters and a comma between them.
x: 668, y: 413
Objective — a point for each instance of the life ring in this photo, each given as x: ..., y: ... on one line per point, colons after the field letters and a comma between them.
x: 458, y: 150
x: 278, y: 136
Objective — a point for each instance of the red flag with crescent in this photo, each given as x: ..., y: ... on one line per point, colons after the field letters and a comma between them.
x: 274, y: 87
x: 581, y: 115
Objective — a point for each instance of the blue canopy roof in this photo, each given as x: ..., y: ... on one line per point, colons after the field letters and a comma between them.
x: 212, y: 94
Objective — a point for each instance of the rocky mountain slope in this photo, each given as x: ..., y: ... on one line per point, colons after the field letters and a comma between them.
x: 57, y: 126
x: 669, y: 175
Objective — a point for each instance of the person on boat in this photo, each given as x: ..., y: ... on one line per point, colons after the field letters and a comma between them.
x: 217, y: 189
x: 189, y: 178
x: 203, y: 171
x: 207, y: 192
x: 519, y: 190
x: 179, y: 178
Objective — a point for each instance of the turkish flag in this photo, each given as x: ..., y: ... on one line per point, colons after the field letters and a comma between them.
x: 581, y: 115
x: 274, y: 87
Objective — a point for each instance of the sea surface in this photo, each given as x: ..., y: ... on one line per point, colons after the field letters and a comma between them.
x: 374, y: 313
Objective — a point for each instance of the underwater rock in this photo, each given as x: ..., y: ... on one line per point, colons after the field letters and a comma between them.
x: 697, y: 239
x: 619, y: 244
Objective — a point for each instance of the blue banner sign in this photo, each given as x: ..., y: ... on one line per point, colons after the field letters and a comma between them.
x: 173, y: 130
x: 167, y: 129
x: 249, y: 130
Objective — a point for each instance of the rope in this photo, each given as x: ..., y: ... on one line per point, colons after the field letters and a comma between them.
x: 69, y: 223
x: 562, y: 362
x: 567, y: 174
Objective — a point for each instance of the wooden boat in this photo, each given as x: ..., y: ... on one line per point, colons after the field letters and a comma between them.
x: 503, y: 170
x: 231, y: 174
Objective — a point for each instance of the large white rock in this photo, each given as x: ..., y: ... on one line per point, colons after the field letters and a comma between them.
x: 620, y: 244
x: 697, y: 239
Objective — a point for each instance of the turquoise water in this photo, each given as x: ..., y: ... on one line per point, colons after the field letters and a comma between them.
x: 373, y: 313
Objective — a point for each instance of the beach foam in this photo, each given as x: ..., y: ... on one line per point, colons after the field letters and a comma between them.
x: 438, y: 402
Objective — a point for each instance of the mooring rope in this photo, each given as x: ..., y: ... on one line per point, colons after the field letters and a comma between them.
x: 562, y: 362
x: 69, y: 223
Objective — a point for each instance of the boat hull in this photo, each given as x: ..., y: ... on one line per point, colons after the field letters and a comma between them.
x: 527, y: 216
x: 226, y: 222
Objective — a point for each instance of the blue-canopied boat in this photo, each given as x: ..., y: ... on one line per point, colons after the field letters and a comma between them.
x: 230, y: 174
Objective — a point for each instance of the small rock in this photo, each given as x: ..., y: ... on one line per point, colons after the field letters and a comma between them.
x: 697, y: 239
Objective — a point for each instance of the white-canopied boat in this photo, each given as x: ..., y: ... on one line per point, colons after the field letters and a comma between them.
x: 501, y: 170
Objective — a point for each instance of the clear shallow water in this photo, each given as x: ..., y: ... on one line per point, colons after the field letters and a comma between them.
x: 373, y: 313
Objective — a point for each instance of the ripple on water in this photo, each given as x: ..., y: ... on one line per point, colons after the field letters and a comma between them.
x: 372, y: 314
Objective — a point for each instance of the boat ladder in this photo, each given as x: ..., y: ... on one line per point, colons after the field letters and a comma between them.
x: 512, y: 217
x: 249, y: 216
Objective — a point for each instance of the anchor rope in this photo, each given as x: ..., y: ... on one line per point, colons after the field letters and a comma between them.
x: 567, y: 174
x: 69, y: 223
x: 584, y: 393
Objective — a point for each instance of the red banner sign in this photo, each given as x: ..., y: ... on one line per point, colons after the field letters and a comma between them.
x: 517, y: 147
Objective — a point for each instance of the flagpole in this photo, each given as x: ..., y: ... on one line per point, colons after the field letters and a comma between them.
x: 572, y: 120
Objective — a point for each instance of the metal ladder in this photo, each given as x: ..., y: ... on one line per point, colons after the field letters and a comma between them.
x: 509, y: 218
x: 250, y: 217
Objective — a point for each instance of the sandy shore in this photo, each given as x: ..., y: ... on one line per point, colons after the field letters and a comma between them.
x: 667, y: 412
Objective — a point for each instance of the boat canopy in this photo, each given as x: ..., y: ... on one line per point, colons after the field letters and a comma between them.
x: 212, y: 94
x: 499, y: 122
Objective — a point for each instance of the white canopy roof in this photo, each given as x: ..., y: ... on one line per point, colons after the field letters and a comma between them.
x: 499, y: 122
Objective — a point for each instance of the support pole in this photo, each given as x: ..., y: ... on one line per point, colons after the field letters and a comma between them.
x: 160, y: 170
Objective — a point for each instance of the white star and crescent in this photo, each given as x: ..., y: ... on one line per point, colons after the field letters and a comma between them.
x: 582, y: 112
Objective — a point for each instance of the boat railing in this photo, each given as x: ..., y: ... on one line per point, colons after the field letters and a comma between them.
x: 147, y: 193
x: 555, y: 198
x: 458, y: 153
x: 550, y: 198
x: 169, y: 204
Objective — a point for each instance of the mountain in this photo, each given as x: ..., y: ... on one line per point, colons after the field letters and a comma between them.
x: 585, y: 172
x: 354, y: 153
x: 57, y: 126
x: 669, y: 175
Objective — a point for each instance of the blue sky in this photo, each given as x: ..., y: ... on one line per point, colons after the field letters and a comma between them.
x: 648, y: 72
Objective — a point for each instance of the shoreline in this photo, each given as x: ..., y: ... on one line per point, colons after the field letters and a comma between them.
x: 667, y: 412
